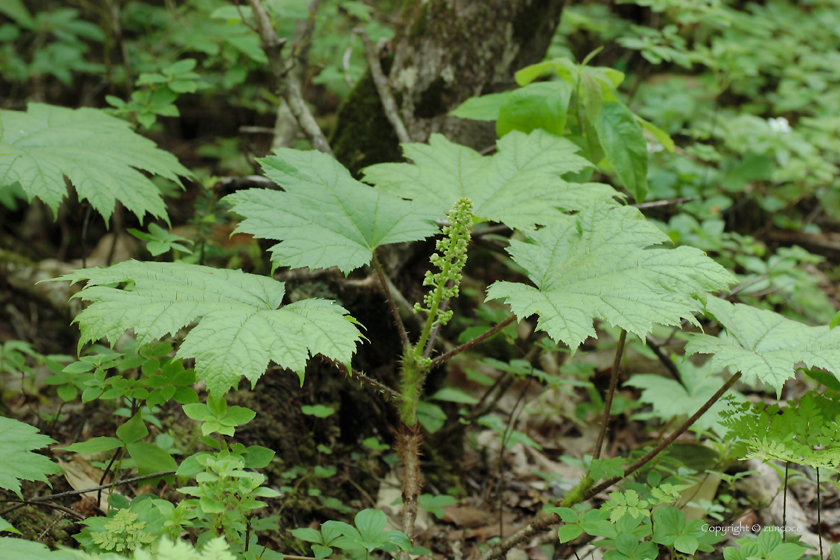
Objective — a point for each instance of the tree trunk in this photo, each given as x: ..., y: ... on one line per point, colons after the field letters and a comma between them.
x: 444, y: 52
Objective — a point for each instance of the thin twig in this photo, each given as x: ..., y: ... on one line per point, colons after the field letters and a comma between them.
x: 287, y: 88
x: 391, y: 303
x: 467, y: 345
x: 671, y: 202
x: 608, y: 404
x: 667, y: 441
x: 382, y: 88
x: 665, y: 359
x: 93, y: 489
x: 544, y: 521
x: 377, y: 386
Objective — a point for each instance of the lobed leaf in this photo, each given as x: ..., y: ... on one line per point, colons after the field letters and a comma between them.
x: 100, y: 155
x: 764, y: 345
x: 241, y: 326
x: 604, y: 263
x: 324, y: 217
x: 17, y: 462
x: 521, y: 185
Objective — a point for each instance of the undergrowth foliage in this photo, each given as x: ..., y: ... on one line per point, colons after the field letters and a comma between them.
x: 579, y: 262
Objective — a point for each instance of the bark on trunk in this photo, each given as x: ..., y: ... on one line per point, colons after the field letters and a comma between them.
x: 444, y: 52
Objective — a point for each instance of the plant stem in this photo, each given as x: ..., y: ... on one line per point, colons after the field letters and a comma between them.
x: 670, y: 439
x: 432, y: 317
x: 586, y: 489
x: 382, y: 280
x: 377, y: 386
x: 430, y: 344
x: 610, y: 393
x: 467, y: 345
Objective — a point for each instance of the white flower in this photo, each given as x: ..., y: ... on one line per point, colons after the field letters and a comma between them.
x: 779, y: 125
x: 652, y: 147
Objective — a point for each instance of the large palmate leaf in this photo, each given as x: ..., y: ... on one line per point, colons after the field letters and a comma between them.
x: 519, y: 186
x: 99, y: 154
x: 324, y: 217
x: 671, y: 398
x: 600, y: 264
x: 240, y: 327
x: 17, y: 462
x: 763, y: 344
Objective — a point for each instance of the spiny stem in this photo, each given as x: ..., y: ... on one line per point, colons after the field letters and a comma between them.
x: 467, y: 345
x: 543, y: 521
x: 377, y: 386
x: 610, y: 393
x: 382, y: 280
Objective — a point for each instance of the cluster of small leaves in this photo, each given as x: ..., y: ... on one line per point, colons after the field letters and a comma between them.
x: 147, y: 457
x: 216, y: 416
x: 369, y: 534
x: 160, y: 241
x: 768, y: 546
x: 161, y: 377
x: 450, y: 260
x: 158, y: 96
x: 805, y: 432
x: 123, y: 533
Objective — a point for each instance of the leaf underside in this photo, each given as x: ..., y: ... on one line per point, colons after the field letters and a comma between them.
x: 764, y: 345
x: 17, y: 462
x: 519, y: 186
x: 240, y: 328
x: 600, y: 264
x: 100, y: 155
x: 324, y: 217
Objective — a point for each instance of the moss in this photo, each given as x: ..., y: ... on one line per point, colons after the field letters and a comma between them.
x: 363, y: 135
x: 420, y: 24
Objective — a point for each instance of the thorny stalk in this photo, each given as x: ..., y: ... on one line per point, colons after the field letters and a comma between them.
x: 394, y: 311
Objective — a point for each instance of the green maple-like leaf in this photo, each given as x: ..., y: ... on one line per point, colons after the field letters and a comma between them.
x: 17, y: 462
x: 324, y: 217
x: 519, y: 186
x: 671, y: 399
x: 100, y: 155
x: 240, y: 327
x: 601, y: 264
x: 763, y: 344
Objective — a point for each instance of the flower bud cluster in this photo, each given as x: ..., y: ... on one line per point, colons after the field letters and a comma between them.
x: 450, y: 260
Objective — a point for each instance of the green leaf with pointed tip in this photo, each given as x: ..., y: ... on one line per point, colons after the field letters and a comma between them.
x: 241, y: 326
x: 100, y: 154
x: 17, y: 462
x: 95, y: 445
x: 541, y: 105
x: 602, y: 263
x: 624, y: 146
x: 6, y: 526
x: 519, y: 186
x: 764, y: 345
x: 324, y: 217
